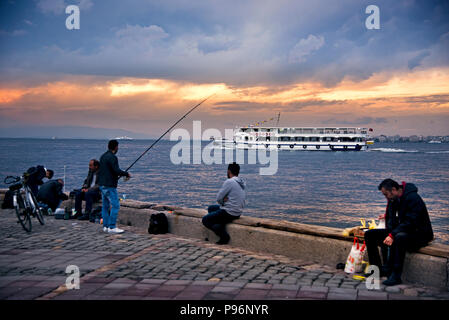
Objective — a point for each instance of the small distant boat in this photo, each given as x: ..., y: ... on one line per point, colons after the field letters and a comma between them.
x: 123, y: 138
x: 435, y: 141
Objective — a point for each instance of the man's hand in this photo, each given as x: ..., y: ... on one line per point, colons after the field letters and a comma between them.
x: 388, y: 241
x: 84, y: 190
x: 128, y: 177
x: 381, y: 216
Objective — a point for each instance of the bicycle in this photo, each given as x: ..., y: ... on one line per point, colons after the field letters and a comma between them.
x: 24, y: 202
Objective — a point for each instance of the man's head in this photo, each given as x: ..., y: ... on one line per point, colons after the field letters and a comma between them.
x: 113, y: 146
x: 233, y: 170
x: 61, y: 181
x: 49, y: 173
x: 390, y: 189
x: 94, y: 165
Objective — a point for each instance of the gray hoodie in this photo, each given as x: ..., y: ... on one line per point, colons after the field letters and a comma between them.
x: 234, y: 190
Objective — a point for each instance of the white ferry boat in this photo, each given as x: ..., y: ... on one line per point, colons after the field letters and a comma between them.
x: 298, y: 138
x: 123, y: 138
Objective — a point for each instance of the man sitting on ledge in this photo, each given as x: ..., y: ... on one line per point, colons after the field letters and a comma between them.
x: 407, y: 228
x: 231, y: 198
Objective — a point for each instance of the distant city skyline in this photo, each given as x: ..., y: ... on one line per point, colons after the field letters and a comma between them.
x: 138, y: 66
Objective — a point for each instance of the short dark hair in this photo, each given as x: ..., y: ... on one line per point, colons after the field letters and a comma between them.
x: 96, y: 162
x: 50, y: 173
x: 234, y: 168
x: 112, y: 144
x: 61, y: 181
x: 389, y: 184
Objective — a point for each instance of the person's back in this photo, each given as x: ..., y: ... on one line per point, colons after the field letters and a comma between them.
x: 231, y: 198
x: 108, y: 176
x: 413, y: 216
x: 234, y: 190
x: 51, y: 193
x: 109, y: 171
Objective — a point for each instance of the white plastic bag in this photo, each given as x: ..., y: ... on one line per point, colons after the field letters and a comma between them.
x: 355, y: 258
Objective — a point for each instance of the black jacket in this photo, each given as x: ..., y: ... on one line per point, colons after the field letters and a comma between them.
x: 89, y: 182
x: 109, y: 172
x: 36, y: 174
x: 51, y: 193
x: 409, y: 214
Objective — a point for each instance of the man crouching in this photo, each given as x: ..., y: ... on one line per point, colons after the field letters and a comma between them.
x: 231, y: 198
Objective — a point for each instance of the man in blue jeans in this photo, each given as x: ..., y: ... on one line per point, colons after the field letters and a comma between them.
x: 108, y: 176
x: 231, y: 198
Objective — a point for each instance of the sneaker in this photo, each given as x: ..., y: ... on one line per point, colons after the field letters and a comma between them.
x: 105, y: 229
x: 116, y: 230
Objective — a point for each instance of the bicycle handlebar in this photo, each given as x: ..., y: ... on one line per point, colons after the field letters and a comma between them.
x: 16, y: 179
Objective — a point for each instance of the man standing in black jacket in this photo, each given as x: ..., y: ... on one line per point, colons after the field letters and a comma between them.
x: 408, y: 227
x: 108, y: 176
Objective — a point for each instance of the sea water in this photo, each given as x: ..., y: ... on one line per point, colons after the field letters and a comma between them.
x: 333, y: 189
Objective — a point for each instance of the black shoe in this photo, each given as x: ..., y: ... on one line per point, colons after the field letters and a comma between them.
x: 224, y: 240
x: 83, y: 217
x: 392, y: 280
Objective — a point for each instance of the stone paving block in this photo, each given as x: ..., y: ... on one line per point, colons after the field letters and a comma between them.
x: 219, y: 296
x: 266, y: 286
x: 278, y: 293
x: 228, y: 290
x: 341, y: 296
x: 372, y: 295
x: 234, y: 284
x: 314, y: 289
x: 393, y: 289
x: 291, y: 287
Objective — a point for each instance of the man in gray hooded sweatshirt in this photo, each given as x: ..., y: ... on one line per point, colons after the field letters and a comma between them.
x: 231, y: 198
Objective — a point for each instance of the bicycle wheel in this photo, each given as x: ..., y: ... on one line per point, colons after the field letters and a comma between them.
x: 23, y: 213
x: 36, y: 209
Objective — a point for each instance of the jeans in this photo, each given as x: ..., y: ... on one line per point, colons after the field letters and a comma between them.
x: 110, y: 200
x: 90, y: 196
x: 217, y: 219
x: 401, y: 243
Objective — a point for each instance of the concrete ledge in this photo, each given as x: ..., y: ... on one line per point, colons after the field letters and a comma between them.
x: 313, y: 244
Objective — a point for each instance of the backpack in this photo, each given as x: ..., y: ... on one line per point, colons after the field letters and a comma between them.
x: 158, y: 223
x: 8, y: 202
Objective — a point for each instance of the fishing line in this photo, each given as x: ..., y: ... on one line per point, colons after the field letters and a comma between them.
x: 185, y: 115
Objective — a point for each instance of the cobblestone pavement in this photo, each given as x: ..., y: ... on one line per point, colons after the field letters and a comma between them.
x: 136, y: 265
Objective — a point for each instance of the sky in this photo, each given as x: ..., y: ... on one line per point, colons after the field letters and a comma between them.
x: 139, y: 65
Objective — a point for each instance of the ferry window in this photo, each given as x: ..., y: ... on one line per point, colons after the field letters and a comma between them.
x: 256, y: 130
x: 268, y: 130
x: 246, y: 138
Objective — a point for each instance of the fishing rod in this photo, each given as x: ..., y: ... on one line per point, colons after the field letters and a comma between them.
x: 148, y: 149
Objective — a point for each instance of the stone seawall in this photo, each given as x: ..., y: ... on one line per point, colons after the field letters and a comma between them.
x: 323, y: 245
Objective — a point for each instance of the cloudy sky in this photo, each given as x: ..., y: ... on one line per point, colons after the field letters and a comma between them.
x: 138, y: 65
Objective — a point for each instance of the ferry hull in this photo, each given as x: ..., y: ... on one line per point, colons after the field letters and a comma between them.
x: 292, y: 147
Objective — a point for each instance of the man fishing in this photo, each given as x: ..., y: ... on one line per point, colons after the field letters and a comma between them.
x: 408, y: 227
x: 108, y: 176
